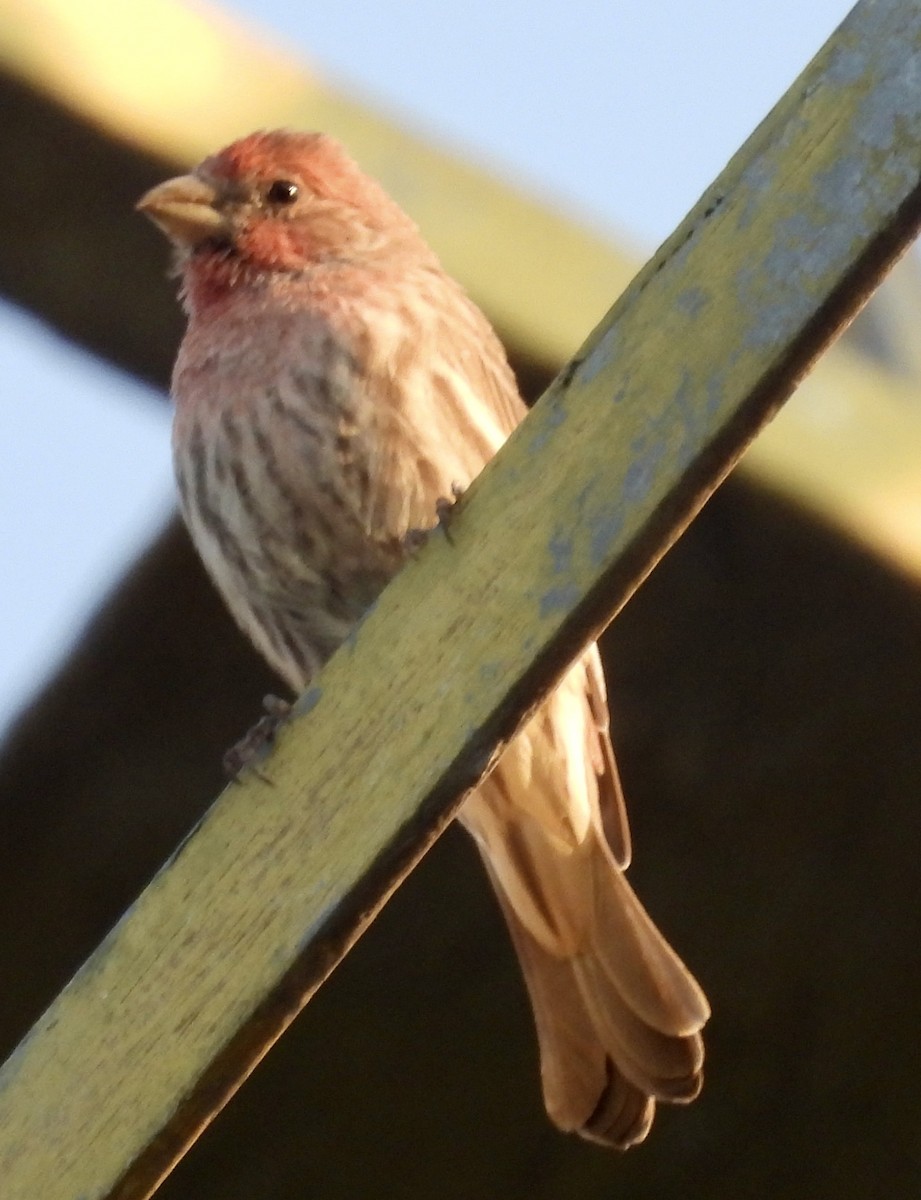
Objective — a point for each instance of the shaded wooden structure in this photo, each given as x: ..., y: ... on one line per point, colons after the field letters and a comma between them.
x: 765, y: 682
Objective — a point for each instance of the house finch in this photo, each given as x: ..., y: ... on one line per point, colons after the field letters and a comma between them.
x: 332, y: 386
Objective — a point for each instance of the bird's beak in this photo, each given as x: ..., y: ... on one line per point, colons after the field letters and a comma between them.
x: 186, y: 210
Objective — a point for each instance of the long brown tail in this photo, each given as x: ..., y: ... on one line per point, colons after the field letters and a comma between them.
x: 618, y: 1014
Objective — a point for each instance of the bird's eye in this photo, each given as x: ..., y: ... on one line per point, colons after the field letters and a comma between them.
x: 282, y: 191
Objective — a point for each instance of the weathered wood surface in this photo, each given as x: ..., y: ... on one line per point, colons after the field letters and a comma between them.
x: 257, y: 906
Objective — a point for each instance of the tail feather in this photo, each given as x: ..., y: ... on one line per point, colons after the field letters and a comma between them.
x: 602, y: 1071
x: 583, y: 1092
x: 618, y: 1015
x: 635, y: 956
x: 623, y: 1116
x: 667, y: 1067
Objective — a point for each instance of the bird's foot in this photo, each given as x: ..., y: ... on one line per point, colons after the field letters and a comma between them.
x: 415, y: 539
x: 444, y: 508
x: 257, y: 740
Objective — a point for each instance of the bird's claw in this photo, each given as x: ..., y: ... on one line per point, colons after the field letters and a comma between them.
x: 257, y: 740
x: 415, y: 539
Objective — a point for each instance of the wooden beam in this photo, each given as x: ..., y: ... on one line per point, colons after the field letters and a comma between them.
x: 254, y: 910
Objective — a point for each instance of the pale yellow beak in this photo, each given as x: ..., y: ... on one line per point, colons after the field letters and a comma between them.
x: 185, y: 209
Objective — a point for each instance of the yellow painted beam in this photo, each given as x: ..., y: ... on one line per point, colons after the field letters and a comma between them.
x: 256, y: 907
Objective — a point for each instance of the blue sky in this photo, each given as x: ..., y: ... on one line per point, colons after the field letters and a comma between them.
x: 622, y: 112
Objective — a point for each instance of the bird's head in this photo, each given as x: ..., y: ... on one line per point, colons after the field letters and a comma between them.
x: 275, y: 202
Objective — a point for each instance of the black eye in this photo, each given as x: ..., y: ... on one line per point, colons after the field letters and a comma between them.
x: 282, y: 191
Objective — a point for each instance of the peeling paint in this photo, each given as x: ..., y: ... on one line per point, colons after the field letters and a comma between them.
x: 756, y: 181
x: 692, y: 301
x: 847, y: 64
x: 553, y: 415
x: 636, y: 481
x: 560, y: 548
x: 604, y: 530
x: 559, y: 599
x: 714, y: 394
x: 308, y: 702
x: 601, y: 356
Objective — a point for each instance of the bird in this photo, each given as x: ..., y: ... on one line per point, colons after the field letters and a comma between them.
x: 334, y: 384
